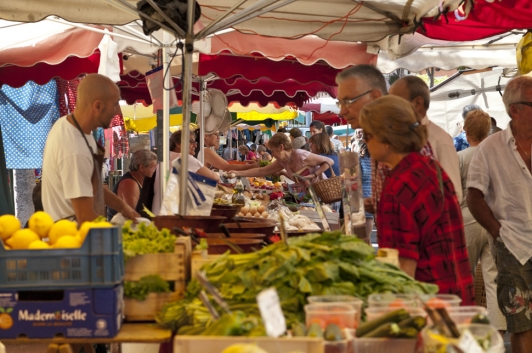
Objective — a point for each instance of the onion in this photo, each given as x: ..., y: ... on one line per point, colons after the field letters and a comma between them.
x: 261, y: 209
x: 265, y: 214
x: 253, y: 210
x: 244, y: 210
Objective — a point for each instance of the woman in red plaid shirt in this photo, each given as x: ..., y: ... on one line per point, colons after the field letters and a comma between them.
x: 418, y: 212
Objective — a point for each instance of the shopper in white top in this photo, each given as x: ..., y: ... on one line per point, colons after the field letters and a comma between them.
x: 477, y: 126
x: 500, y: 198
x: 416, y: 91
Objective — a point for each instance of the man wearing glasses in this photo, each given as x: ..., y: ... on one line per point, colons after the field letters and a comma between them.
x: 500, y: 198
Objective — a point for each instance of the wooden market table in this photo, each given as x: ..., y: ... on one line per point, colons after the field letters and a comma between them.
x: 129, y: 333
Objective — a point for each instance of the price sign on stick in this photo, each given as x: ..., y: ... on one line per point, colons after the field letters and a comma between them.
x: 271, y: 312
x: 469, y: 344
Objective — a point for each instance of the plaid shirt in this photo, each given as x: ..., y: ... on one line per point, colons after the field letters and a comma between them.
x: 379, y: 172
x: 414, y: 219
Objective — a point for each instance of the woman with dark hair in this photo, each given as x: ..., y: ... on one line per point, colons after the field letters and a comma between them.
x: 418, y: 213
x: 321, y: 144
x: 291, y: 160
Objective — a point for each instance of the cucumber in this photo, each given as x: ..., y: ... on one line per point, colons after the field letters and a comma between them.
x: 392, y: 317
x: 389, y: 329
x: 315, y: 331
x: 298, y: 329
x: 407, y: 332
x: 417, y: 322
x: 333, y: 333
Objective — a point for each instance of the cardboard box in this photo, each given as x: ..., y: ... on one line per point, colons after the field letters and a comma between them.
x: 89, y: 312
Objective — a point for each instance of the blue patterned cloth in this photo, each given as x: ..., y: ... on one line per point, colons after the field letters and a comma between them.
x: 460, y: 142
x: 365, y: 171
x: 26, y: 116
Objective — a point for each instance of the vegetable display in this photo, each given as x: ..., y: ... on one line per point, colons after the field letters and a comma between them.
x: 146, y: 239
x: 140, y: 289
x: 315, y: 264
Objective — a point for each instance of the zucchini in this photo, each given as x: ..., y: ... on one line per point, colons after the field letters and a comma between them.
x: 298, y: 329
x: 417, y: 322
x: 333, y: 333
x: 389, y: 329
x: 315, y: 331
x: 407, y: 332
x: 392, y: 317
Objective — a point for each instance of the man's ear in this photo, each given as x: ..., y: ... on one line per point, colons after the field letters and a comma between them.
x: 375, y: 94
x: 418, y: 102
x: 97, y: 106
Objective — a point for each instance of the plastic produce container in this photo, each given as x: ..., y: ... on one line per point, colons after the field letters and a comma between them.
x: 374, y: 313
x: 479, y: 331
x: 324, y: 314
x: 392, y: 300
x: 464, y: 314
x: 343, y: 299
x: 382, y: 345
x: 99, y: 262
x: 447, y: 300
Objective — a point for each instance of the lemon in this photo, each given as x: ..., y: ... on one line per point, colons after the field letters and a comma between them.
x: 22, y: 239
x: 9, y: 224
x: 86, y: 226
x: 67, y: 242
x: 62, y: 228
x: 41, y: 222
x: 38, y: 244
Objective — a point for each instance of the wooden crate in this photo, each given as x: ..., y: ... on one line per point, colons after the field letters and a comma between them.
x: 200, y: 258
x: 205, y: 344
x: 173, y: 267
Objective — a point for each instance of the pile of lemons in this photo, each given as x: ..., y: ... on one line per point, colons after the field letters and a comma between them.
x: 43, y: 233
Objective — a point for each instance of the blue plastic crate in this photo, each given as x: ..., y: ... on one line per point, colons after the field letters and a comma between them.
x: 98, y: 263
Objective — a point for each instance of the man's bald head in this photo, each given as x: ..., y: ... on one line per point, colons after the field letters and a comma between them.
x: 97, y: 101
x: 94, y: 87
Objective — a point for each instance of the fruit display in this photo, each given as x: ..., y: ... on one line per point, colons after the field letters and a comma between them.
x: 43, y: 233
x: 264, y: 184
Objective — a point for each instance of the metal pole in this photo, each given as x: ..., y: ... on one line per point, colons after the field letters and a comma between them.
x: 201, y: 116
x: 166, y: 115
x: 185, y: 126
x: 230, y: 137
x: 219, y: 19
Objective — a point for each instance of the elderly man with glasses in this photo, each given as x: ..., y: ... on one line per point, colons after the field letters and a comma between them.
x: 500, y: 198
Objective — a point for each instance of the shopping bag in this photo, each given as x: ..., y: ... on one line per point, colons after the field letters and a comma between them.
x: 524, y: 54
x: 200, y: 195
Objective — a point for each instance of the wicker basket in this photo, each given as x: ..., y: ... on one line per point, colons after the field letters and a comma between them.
x: 329, y: 190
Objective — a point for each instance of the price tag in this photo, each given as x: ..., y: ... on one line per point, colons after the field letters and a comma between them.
x: 271, y: 312
x: 469, y: 344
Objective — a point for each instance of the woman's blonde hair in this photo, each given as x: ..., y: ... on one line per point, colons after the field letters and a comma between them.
x: 280, y: 139
x: 477, y: 125
x: 393, y: 121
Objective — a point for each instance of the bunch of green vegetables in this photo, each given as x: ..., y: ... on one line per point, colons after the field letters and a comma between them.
x: 140, y: 289
x: 315, y: 264
x: 146, y: 239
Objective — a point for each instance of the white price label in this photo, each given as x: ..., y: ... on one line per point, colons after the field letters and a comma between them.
x: 469, y: 344
x: 271, y: 312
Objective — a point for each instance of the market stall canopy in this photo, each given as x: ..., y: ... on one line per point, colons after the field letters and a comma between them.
x: 486, y: 18
x: 339, y: 20
x: 417, y: 52
x: 483, y: 88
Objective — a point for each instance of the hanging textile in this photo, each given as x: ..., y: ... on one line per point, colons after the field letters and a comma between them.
x: 119, y: 143
x: 67, y: 92
x: 26, y: 116
x: 6, y: 200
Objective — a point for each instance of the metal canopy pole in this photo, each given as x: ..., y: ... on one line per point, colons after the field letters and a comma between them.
x: 201, y: 116
x: 165, y: 167
x: 185, y: 127
x: 219, y: 19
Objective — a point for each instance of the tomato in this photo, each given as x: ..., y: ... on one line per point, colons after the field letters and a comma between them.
x: 437, y: 303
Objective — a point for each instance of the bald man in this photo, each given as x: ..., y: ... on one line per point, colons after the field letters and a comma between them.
x: 416, y: 91
x: 71, y: 183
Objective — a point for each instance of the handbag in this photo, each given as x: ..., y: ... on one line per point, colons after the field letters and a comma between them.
x: 200, y: 195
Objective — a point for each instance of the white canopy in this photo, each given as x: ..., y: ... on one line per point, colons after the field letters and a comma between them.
x: 481, y: 88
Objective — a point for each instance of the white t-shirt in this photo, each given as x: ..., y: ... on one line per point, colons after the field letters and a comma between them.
x: 193, y: 163
x: 499, y: 172
x: 444, y: 152
x: 67, y: 169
